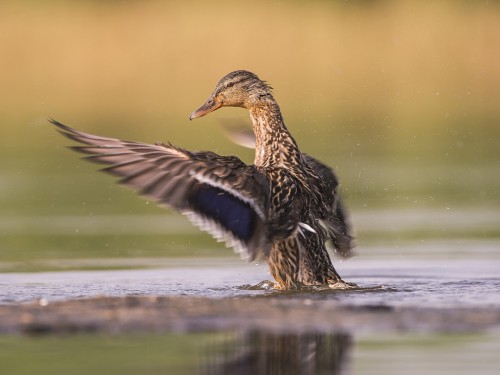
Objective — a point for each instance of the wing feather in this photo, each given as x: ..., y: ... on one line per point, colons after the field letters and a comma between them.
x: 219, y: 194
x: 336, y: 221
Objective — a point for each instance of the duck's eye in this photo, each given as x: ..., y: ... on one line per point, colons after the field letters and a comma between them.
x: 230, y: 84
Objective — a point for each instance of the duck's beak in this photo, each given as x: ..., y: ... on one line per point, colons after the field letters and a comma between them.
x: 210, y: 105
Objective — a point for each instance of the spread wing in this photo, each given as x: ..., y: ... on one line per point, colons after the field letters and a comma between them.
x: 219, y: 194
x: 336, y: 221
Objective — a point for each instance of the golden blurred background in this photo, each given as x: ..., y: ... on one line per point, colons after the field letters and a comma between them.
x: 401, y: 97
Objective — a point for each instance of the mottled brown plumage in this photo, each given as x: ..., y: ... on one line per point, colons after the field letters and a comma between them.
x: 284, y: 207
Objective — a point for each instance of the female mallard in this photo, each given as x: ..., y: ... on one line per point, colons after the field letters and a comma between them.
x: 284, y: 207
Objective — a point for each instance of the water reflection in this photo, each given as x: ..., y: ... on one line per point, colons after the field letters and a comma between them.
x: 267, y: 353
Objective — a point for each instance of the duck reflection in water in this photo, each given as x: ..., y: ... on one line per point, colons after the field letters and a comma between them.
x: 266, y: 353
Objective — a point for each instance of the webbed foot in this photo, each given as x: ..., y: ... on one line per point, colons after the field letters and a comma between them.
x: 263, y: 285
x: 341, y: 284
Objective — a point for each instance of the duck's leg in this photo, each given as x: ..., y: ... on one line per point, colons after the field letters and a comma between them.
x: 336, y: 282
x: 317, y: 267
x: 284, y: 263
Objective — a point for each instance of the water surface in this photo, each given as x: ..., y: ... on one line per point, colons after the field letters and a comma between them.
x: 256, y: 352
x: 439, y: 273
x: 410, y: 280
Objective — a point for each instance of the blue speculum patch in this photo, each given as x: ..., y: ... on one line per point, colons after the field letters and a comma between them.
x: 229, y: 211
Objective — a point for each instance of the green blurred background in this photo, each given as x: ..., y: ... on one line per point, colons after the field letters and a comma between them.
x: 402, y: 98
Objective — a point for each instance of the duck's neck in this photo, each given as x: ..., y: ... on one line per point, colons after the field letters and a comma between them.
x: 274, y: 145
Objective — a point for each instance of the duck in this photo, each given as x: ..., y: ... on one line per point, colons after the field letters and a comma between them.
x: 284, y: 208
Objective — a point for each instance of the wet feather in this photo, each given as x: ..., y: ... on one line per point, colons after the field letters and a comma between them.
x: 284, y: 207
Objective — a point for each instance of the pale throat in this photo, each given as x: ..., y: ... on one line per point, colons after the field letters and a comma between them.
x: 274, y: 145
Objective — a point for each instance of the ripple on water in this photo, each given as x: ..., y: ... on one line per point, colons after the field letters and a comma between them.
x: 422, y: 283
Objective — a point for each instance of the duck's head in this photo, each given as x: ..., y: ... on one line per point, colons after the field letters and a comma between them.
x: 240, y: 88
